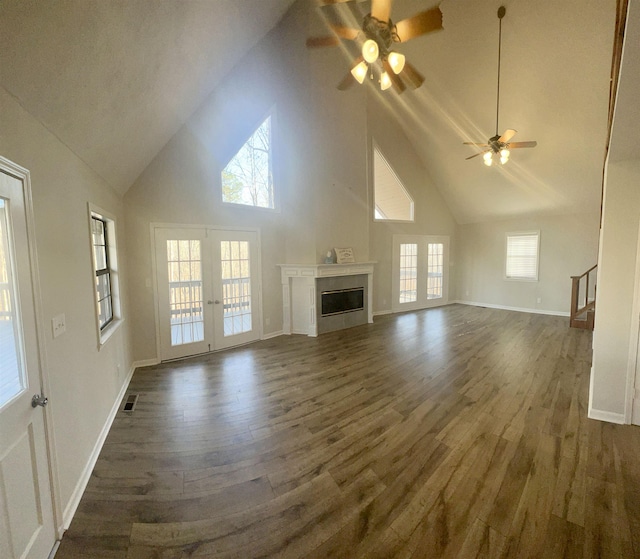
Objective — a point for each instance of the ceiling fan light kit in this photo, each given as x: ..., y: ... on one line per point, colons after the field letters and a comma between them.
x: 359, y: 71
x: 378, y: 35
x: 396, y: 61
x: 499, y: 145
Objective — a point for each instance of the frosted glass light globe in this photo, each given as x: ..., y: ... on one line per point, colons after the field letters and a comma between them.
x: 370, y: 51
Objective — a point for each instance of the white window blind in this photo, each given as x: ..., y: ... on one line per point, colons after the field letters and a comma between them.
x: 522, y: 256
x: 391, y: 200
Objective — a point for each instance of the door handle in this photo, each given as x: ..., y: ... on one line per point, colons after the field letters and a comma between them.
x: 39, y: 400
x: 216, y: 302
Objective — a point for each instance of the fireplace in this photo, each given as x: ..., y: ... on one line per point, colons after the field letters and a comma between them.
x: 318, y: 298
x: 341, y: 301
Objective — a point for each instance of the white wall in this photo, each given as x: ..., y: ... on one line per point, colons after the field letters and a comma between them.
x: 568, y: 247
x: 612, y: 341
x: 84, y: 381
x: 321, y: 144
x: 432, y: 215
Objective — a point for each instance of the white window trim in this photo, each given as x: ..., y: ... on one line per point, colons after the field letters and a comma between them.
x: 271, y: 113
x: 506, y: 244
x: 116, y: 307
x: 375, y: 146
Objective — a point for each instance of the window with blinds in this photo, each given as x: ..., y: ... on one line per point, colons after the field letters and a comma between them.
x: 391, y: 199
x: 522, y: 256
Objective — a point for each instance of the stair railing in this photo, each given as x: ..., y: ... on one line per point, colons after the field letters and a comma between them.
x: 583, y: 299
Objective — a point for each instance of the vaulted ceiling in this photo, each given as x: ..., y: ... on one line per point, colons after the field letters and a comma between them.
x: 115, y: 79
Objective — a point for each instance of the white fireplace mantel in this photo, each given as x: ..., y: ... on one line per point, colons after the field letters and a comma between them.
x: 299, y: 292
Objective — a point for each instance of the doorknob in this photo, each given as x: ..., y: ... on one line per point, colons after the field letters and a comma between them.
x: 39, y: 400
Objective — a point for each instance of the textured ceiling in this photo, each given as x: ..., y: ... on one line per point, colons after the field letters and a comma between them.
x: 554, y: 88
x: 132, y: 70
x: 135, y: 71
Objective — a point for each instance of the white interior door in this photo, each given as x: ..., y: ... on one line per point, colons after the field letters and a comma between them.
x: 208, y: 290
x: 26, y: 513
x: 420, y: 272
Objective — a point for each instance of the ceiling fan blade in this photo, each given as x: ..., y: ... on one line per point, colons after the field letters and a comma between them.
x: 396, y: 80
x: 421, y: 23
x: 335, y: 1
x: 507, y: 135
x: 345, y: 32
x: 381, y: 9
x: 530, y: 144
x: 476, y: 144
x: 328, y: 41
x: 412, y: 76
x: 347, y: 82
x: 476, y: 154
x: 350, y: 79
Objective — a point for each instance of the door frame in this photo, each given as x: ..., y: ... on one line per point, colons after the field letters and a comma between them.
x: 24, y: 176
x: 422, y: 241
x: 154, y: 271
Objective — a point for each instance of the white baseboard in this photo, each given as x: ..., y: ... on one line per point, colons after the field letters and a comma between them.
x: 517, y: 309
x: 144, y: 363
x: 380, y: 313
x: 74, y: 501
x: 272, y: 335
x: 609, y: 416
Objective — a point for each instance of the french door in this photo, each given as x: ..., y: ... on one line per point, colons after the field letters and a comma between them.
x: 26, y: 513
x: 208, y: 289
x: 420, y: 272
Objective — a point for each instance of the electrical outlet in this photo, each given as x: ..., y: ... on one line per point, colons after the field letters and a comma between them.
x: 58, y: 325
x: 539, y: 300
x: 267, y: 321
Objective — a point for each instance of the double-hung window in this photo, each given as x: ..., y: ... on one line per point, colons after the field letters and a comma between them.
x: 522, y: 252
x: 99, y: 234
x: 105, y: 270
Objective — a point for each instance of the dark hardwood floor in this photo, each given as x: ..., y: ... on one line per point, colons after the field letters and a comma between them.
x: 452, y: 432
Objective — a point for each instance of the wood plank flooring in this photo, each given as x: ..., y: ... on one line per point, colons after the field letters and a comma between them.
x: 452, y: 432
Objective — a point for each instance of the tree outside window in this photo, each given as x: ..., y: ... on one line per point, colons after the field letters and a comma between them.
x: 247, y: 179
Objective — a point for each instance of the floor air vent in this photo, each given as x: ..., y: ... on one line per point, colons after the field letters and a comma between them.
x: 130, y: 402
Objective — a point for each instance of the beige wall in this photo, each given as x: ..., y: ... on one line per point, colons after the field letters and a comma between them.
x: 432, y: 215
x: 612, y: 342
x: 321, y: 151
x: 84, y: 381
x: 568, y: 247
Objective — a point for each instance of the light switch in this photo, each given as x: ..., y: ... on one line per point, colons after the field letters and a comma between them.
x: 58, y: 325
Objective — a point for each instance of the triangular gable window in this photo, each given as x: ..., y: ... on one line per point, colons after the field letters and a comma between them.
x: 391, y: 199
x: 248, y: 179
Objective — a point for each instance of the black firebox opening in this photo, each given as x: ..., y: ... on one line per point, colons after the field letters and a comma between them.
x: 342, y: 300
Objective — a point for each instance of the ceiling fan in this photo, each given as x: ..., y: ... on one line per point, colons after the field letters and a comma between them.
x: 499, y: 145
x: 377, y: 36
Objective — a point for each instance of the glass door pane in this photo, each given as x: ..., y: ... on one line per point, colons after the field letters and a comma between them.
x: 12, y: 379
x: 186, y: 300
x: 236, y: 287
x: 435, y: 270
x: 408, y: 272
